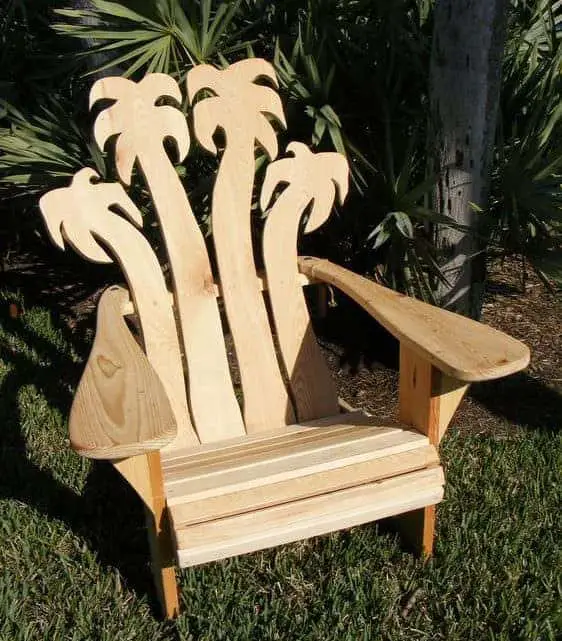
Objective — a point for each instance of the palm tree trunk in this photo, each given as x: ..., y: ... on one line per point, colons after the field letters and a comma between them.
x: 152, y: 301
x: 465, y: 75
x: 312, y: 387
x: 266, y: 402
x: 215, y: 411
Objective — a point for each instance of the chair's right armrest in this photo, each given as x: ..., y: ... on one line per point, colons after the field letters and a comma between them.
x: 120, y: 408
x: 459, y: 347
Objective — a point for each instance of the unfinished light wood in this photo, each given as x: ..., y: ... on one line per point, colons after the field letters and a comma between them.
x: 120, y: 408
x: 309, y: 178
x: 427, y: 400
x: 236, y: 492
x: 313, y: 516
x: 141, y: 128
x: 144, y: 474
x: 239, y: 108
x: 306, y: 463
x: 274, y: 436
x: 460, y: 347
x: 285, y: 456
x: 303, y: 281
x: 82, y: 215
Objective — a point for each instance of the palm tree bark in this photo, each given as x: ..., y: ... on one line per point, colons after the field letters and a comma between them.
x: 465, y: 75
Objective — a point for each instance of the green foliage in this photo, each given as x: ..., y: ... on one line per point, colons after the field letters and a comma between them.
x: 43, y: 150
x: 353, y: 74
x: 526, y: 212
x: 154, y: 37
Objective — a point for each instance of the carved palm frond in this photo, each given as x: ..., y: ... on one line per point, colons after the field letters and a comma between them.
x: 310, y: 177
x: 240, y: 106
x: 140, y: 124
x: 81, y: 215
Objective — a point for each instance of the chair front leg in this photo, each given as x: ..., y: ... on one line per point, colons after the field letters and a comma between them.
x: 144, y: 474
x: 427, y: 400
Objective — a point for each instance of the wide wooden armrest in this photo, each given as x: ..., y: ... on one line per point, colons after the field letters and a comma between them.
x: 460, y: 347
x: 120, y: 408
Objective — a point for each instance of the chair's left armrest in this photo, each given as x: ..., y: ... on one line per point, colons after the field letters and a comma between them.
x: 459, y: 347
x: 120, y: 408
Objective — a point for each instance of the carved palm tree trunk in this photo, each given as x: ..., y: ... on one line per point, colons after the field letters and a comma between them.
x: 209, y: 382
x: 464, y: 89
x: 314, y: 392
x: 266, y: 402
x: 155, y: 314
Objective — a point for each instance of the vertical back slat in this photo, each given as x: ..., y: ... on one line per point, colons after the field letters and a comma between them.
x: 309, y: 178
x: 238, y: 108
x: 141, y: 129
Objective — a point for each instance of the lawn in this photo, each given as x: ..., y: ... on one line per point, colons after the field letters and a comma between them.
x: 73, y: 555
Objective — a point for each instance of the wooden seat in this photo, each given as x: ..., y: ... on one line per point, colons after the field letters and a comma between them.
x: 223, y: 471
x: 247, y: 474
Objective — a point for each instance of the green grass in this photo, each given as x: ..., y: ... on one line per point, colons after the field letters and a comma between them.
x: 73, y: 555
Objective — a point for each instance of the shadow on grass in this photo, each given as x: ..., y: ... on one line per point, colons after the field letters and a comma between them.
x: 522, y: 400
x: 107, y: 514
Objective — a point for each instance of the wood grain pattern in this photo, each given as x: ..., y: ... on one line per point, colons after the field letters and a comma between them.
x: 310, y: 178
x: 120, y: 408
x: 302, y: 280
x: 273, y: 438
x: 450, y: 393
x: 427, y: 400
x: 141, y: 128
x: 303, y: 453
x: 265, y: 494
x: 82, y: 215
x: 461, y: 348
x: 331, y: 460
x: 239, y: 107
x: 313, y: 516
x: 144, y: 474
x: 235, y: 492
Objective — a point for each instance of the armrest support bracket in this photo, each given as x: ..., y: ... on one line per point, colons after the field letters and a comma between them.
x: 427, y: 398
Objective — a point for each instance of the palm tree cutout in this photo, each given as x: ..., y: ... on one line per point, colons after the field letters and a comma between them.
x: 82, y: 215
x: 240, y: 108
x: 310, y: 181
x: 142, y: 125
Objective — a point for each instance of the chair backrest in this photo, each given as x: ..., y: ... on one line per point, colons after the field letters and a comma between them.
x: 282, y: 371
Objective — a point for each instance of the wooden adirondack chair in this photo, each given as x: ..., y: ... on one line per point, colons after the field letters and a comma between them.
x: 219, y: 479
